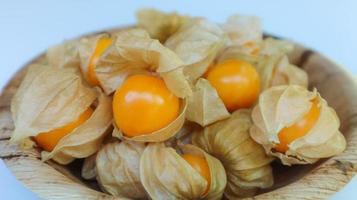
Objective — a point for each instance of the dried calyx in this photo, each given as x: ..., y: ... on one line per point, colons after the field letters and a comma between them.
x: 246, y: 164
x: 301, y: 128
x: 67, y: 118
x: 166, y: 174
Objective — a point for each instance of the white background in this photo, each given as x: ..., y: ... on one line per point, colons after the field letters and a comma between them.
x: 27, y: 28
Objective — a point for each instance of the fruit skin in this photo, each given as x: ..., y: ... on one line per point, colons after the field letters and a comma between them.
x: 143, y: 104
x: 237, y: 83
x: 102, y: 44
x: 200, y: 165
x: 49, y: 140
x: 288, y: 134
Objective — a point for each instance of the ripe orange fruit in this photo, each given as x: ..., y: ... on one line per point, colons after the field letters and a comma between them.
x: 102, y: 44
x: 288, y: 134
x: 200, y: 165
x: 49, y: 140
x: 143, y: 104
x: 237, y: 83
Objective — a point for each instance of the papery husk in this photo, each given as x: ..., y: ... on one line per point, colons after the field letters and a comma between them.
x: 177, y: 82
x: 134, y: 52
x: 89, y: 171
x: 166, y: 175
x: 246, y: 164
x: 184, y: 135
x: 276, y: 70
x: 197, y: 43
x: 238, y: 53
x: 118, y: 171
x: 283, y: 106
x: 205, y: 106
x: 48, y: 98
x: 86, y: 139
x: 160, y: 135
x: 243, y: 30
x: 158, y: 24
x: 64, y: 55
x: 271, y: 46
x: 114, y: 75
x: 86, y: 48
x: 271, y: 63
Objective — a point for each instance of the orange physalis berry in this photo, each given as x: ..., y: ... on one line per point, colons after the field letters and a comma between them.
x: 49, y: 140
x: 237, y: 83
x: 143, y: 104
x: 200, y: 165
x: 102, y: 44
x: 288, y: 134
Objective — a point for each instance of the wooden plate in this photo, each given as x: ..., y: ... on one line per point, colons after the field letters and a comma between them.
x: 319, y: 181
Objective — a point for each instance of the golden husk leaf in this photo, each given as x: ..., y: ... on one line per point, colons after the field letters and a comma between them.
x: 197, y: 43
x: 118, y: 169
x: 238, y: 53
x: 270, y: 46
x: 158, y: 24
x: 64, y: 55
x: 274, y: 67
x: 134, y: 52
x: 276, y: 70
x: 246, y: 164
x: 242, y: 30
x: 205, y: 106
x: 166, y: 175
x: 271, y: 63
x: 48, y: 98
x: 184, y: 135
x: 160, y: 135
x: 89, y: 171
x: 283, y: 106
x: 86, y: 48
x: 86, y: 139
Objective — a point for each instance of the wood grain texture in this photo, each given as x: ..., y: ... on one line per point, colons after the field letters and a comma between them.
x: 319, y: 181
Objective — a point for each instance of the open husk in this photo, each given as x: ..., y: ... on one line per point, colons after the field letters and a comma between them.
x: 197, y: 43
x: 270, y: 46
x: 267, y: 48
x: 246, y: 164
x: 205, y: 106
x: 64, y: 55
x: 244, y: 31
x: 86, y: 139
x: 49, y: 98
x: 160, y: 135
x: 276, y: 70
x: 117, y: 166
x: 86, y: 47
x: 283, y: 106
x: 274, y: 67
x: 237, y: 53
x: 271, y: 63
x: 166, y: 175
x: 134, y: 52
x: 158, y: 24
